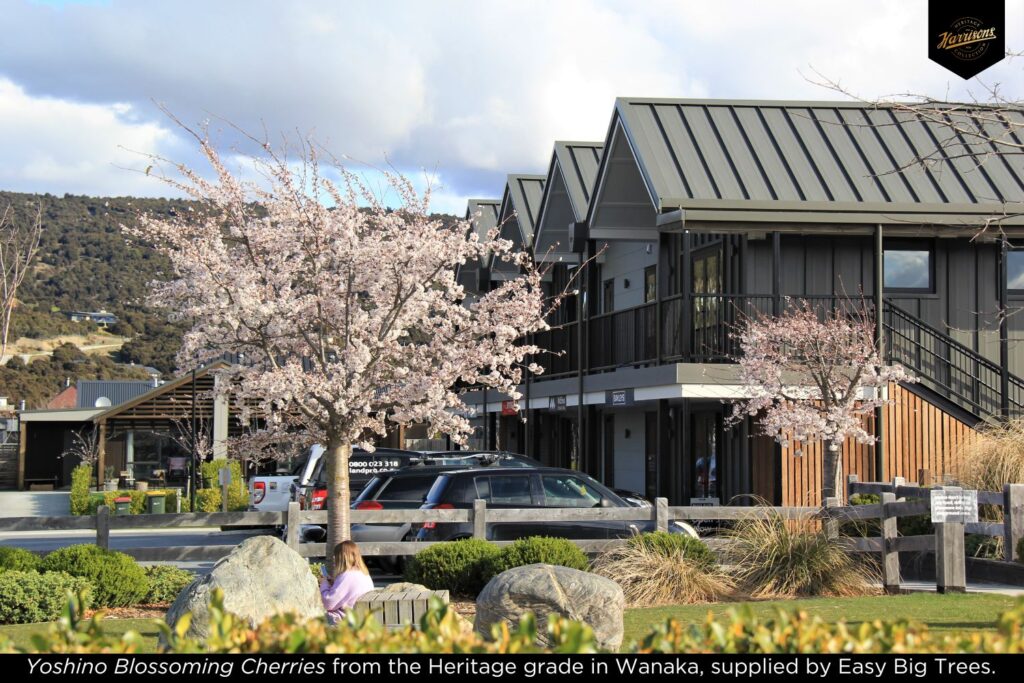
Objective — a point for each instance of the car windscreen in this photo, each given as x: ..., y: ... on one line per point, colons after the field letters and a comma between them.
x: 371, y: 489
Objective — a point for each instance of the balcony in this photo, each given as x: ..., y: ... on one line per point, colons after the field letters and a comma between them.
x: 702, y: 328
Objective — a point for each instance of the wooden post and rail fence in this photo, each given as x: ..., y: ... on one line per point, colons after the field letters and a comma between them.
x: 897, y: 500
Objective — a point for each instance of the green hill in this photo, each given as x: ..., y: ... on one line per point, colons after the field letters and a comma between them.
x: 85, y: 263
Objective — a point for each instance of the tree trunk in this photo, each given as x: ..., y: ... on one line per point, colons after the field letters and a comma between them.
x: 832, y: 472
x: 338, y: 496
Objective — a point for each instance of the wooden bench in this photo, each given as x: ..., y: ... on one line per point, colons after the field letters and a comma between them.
x: 395, y: 609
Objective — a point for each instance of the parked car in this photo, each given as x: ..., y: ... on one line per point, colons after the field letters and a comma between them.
x: 311, y: 493
x: 272, y: 493
x: 537, y: 487
x: 407, y: 488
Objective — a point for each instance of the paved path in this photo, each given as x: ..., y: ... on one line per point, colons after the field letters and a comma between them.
x: 34, y: 503
x: 972, y: 587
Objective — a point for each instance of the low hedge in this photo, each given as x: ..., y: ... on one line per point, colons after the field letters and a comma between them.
x: 238, y: 492
x: 27, y: 596
x: 18, y: 559
x: 118, y: 581
x: 534, y: 550
x: 458, y: 566
x: 165, y: 582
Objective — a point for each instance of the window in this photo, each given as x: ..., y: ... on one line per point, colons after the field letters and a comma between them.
x: 650, y: 283
x: 561, y: 491
x: 1015, y: 271
x: 505, y: 490
x: 907, y: 269
x: 407, y: 488
x: 608, y: 298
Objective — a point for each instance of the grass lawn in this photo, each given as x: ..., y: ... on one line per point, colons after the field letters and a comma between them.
x: 21, y: 633
x: 970, y: 611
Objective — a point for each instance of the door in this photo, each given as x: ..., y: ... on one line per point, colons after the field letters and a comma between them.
x: 651, y: 456
x: 704, y: 459
x: 509, y: 491
x: 707, y: 304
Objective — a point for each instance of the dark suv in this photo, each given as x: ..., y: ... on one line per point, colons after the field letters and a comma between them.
x: 535, y: 487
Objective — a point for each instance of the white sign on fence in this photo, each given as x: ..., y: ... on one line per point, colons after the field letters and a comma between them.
x: 954, y: 505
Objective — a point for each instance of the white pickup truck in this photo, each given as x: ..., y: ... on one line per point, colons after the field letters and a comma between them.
x: 273, y: 493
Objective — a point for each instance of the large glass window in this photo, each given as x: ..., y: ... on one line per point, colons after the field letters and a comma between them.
x: 908, y: 269
x: 650, y: 283
x: 1015, y: 271
x: 505, y: 490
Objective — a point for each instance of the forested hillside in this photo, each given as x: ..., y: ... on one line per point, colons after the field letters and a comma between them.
x: 85, y: 263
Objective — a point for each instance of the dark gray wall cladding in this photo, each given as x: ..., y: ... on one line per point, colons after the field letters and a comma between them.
x: 964, y: 303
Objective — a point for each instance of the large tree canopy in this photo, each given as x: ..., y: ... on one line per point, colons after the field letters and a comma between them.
x: 348, y: 313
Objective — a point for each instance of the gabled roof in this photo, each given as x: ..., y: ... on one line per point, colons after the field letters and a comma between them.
x: 520, y: 206
x: 567, y: 192
x: 165, y: 401
x: 488, y: 218
x: 847, y: 159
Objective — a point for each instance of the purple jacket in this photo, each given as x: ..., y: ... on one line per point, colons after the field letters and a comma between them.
x: 343, y: 592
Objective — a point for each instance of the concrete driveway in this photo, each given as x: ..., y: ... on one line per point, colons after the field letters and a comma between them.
x: 34, y: 503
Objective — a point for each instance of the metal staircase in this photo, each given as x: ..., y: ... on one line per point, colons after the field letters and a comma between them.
x: 949, y: 368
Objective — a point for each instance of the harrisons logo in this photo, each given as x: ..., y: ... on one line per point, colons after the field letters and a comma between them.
x: 966, y: 38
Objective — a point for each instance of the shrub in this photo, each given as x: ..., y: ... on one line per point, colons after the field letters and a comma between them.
x: 993, y: 457
x: 238, y: 493
x: 28, y: 596
x: 789, y: 558
x: 138, y: 504
x: 81, y: 483
x: 208, y: 500
x: 165, y: 582
x: 670, y: 545
x: 534, y: 550
x: 18, y: 559
x: 1020, y: 550
x: 117, y: 579
x: 458, y: 566
x: 661, y: 572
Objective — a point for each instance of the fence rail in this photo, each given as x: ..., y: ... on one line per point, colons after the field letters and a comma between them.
x: 897, y: 500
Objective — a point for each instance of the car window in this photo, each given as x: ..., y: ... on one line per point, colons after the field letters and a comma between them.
x: 505, y: 490
x: 567, y: 491
x: 406, y: 488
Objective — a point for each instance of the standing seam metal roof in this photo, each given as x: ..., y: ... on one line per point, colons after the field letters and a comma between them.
x: 523, y: 196
x: 488, y: 218
x: 739, y: 151
x: 579, y: 163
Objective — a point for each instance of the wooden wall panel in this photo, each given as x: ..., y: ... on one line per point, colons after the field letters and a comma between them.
x: 918, y: 436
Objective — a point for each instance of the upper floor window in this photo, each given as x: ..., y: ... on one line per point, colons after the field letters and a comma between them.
x: 907, y: 269
x: 1015, y: 271
x: 650, y: 283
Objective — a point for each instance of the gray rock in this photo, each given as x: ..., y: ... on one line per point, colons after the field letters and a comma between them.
x: 544, y: 590
x: 261, y: 577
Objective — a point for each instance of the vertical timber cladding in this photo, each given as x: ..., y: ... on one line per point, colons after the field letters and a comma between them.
x: 918, y: 436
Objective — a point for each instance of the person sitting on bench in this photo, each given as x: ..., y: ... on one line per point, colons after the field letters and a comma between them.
x: 351, y: 580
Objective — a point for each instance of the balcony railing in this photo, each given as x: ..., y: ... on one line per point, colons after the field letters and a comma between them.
x: 703, y: 328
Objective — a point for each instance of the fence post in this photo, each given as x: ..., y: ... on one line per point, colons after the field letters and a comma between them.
x: 1013, y: 520
x: 950, y: 561
x: 480, y: 519
x: 103, y: 527
x: 831, y: 523
x: 851, y: 479
x: 890, y: 556
x: 291, y: 522
x: 661, y: 514
x: 898, y: 481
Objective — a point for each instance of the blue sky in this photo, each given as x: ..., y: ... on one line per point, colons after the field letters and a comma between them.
x: 470, y: 91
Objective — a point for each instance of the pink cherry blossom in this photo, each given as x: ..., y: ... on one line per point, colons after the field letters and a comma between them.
x: 349, y: 316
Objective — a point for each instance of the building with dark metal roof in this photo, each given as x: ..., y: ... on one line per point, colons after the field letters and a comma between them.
x: 570, y: 180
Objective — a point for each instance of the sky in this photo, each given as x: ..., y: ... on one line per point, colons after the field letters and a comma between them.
x: 455, y: 92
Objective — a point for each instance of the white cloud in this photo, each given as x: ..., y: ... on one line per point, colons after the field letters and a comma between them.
x: 54, y: 145
x: 474, y: 90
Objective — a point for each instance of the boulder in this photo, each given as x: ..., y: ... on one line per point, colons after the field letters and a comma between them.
x: 260, y: 578
x: 544, y: 590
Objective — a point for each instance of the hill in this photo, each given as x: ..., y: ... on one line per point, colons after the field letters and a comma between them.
x: 85, y: 263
